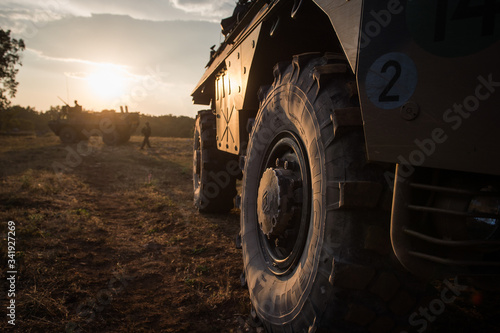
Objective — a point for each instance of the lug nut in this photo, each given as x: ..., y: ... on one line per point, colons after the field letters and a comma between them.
x: 289, y: 165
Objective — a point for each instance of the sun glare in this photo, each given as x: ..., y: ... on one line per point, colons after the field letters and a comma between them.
x: 107, y: 82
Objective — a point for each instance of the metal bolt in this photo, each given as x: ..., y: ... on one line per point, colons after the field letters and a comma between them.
x: 289, y: 165
x: 410, y: 111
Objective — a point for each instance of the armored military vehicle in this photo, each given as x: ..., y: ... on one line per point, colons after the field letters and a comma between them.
x: 366, y: 135
x: 72, y: 124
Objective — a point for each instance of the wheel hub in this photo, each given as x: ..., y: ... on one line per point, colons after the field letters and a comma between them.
x: 283, y: 204
x: 275, y: 201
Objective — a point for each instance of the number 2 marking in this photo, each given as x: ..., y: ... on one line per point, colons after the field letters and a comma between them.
x: 384, y: 97
x: 391, y: 80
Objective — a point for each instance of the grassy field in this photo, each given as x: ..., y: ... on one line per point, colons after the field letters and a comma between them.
x: 107, y: 240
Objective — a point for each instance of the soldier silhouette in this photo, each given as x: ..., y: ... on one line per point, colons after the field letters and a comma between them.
x: 77, y: 108
x: 146, y: 131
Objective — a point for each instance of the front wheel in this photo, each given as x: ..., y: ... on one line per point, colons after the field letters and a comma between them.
x: 214, y: 171
x: 68, y: 134
x: 315, y: 239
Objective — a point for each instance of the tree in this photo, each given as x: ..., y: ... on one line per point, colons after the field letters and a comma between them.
x: 10, y: 49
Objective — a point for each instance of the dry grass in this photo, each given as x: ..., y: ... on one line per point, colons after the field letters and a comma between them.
x: 113, y: 244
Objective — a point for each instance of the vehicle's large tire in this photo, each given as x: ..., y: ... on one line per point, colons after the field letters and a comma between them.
x: 315, y: 230
x: 68, y: 134
x: 111, y: 138
x: 124, y: 138
x: 115, y: 138
x: 214, y: 171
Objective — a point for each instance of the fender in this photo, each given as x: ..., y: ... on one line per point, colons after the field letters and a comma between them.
x: 267, y: 35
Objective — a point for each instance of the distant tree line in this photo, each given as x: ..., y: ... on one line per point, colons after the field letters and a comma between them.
x: 169, y: 125
x: 18, y: 118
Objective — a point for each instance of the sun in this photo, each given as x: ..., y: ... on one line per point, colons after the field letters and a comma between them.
x: 107, y: 82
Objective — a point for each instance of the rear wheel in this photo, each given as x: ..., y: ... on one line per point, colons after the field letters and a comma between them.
x: 315, y: 237
x: 125, y: 138
x: 111, y: 138
x: 114, y: 138
x: 214, y: 171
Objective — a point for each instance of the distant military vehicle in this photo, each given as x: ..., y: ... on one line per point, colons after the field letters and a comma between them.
x: 367, y: 134
x: 72, y: 124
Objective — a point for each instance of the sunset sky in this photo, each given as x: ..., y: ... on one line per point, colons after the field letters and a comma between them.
x: 146, y: 54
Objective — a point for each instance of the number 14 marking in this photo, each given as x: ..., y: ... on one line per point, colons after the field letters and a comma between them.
x: 464, y: 11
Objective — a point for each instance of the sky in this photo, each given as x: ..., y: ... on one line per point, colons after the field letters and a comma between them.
x: 148, y: 54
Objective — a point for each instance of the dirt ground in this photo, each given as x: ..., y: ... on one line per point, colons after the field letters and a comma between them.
x: 108, y: 240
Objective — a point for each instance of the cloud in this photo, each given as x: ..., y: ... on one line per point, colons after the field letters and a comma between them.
x: 210, y: 8
x: 37, y: 13
x: 167, y: 55
x: 26, y: 18
x: 151, y: 10
x: 129, y: 42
